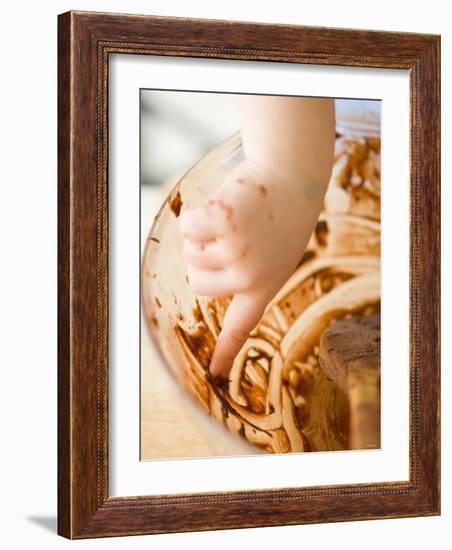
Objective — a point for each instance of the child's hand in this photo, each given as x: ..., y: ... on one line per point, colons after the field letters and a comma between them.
x: 249, y: 238
x: 246, y: 242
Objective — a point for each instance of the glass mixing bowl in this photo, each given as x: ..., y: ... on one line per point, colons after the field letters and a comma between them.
x: 278, y: 398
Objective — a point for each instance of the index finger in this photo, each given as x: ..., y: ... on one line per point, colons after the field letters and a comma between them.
x: 242, y: 315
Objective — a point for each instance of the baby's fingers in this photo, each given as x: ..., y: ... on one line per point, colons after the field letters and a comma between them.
x: 196, y: 226
x: 207, y: 222
x: 210, y: 255
x: 212, y: 283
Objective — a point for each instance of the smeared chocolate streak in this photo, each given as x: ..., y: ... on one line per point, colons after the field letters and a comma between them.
x: 154, y: 321
x: 321, y: 232
x: 175, y: 203
x: 308, y: 254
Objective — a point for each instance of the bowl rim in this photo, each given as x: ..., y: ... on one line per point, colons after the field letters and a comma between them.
x: 239, y: 442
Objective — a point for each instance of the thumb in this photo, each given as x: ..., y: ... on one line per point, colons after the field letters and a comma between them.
x: 242, y: 315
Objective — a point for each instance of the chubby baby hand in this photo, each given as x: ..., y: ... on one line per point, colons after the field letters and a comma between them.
x: 246, y: 241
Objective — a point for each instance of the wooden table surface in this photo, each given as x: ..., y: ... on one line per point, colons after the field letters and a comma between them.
x: 167, y: 429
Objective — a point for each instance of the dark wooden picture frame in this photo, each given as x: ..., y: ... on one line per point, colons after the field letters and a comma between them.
x: 85, y: 41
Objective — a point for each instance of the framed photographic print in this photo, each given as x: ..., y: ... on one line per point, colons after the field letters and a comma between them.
x: 248, y: 275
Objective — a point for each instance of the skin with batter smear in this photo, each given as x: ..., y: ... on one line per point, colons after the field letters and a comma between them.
x: 247, y: 240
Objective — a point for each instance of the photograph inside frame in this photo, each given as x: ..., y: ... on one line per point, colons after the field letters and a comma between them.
x: 307, y: 377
